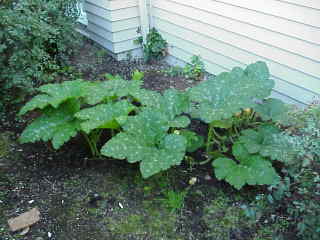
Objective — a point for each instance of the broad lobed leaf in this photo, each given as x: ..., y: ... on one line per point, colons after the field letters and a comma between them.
x: 102, y: 115
x: 254, y: 170
x: 55, y: 94
x: 57, y: 125
x: 272, y: 109
x: 229, y: 92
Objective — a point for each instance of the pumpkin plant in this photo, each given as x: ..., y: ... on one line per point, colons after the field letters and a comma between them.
x: 80, y: 106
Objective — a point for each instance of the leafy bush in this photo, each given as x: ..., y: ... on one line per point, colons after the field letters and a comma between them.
x: 34, y: 38
x: 155, y: 47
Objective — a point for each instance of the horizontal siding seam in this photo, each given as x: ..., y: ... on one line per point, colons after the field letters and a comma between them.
x: 271, y: 77
x: 233, y: 19
x: 126, y: 29
x: 129, y: 39
x: 241, y: 63
x: 109, y: 20
x: 248, y: 9
x: 299, y: 5
x: 290, y: 97
x: 316, y: 77
x: 113, y: 42
x: 223, y: 29
x: 208, y: 60
x: 110, y: 10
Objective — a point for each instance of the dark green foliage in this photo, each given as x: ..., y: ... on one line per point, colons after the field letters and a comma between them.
x: 194, y: 141
x: 155, y: 47
x: 35, y: 38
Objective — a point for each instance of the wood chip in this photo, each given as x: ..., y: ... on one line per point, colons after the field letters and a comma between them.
x: 24, y: 220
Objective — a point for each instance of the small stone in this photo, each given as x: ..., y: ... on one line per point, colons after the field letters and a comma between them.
x: 24, y: 220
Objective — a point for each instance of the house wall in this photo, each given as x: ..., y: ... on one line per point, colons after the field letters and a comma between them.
x: 229, y: 33
x: 114, y: 25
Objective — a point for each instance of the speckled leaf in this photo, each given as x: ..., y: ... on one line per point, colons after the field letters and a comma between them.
x: 145, y: 140
x: 57, y: 125
x: 148, y: 125
x: 60, y: 92
x: 103, y: 90
x: 39, y: 101
x: 55, y: 94
x: 146, y: 97
x: 221, y: 97
x: 174, y: 103
x: 254, y: 139
x: 280, y: 148
x: 103, y: 115
x: 272, y: 109
x: 180, y: 122
x: 260, y: 171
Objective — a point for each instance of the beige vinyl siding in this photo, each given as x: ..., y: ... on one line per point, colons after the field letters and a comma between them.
x: 113, y: 24
x: 228, y: 33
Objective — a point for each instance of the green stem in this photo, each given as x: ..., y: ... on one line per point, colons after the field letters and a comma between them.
x: 92, y: 148
x: 216, y: 134
x: 209, y: 139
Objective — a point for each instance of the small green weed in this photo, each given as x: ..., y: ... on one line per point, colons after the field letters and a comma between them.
x: 194, y: 70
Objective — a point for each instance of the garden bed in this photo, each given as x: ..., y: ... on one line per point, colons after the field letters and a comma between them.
x: 86, y: 198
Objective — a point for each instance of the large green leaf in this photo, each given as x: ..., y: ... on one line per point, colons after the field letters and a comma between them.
x: 145, y: 140
x: 55, y: 94
x: 60, y: 92
x: 221, y: 97
x: 105, y: 90
x: 254, y: 170
x: 103, y: 115
x: 272, y: 109
x: 281, y: 148
x: 55, y: 124
x: 255, y: 139
x: 116, y: 87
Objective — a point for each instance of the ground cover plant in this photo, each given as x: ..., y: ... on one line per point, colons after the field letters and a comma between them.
x: 194, y: 70
x: 178, y: 183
